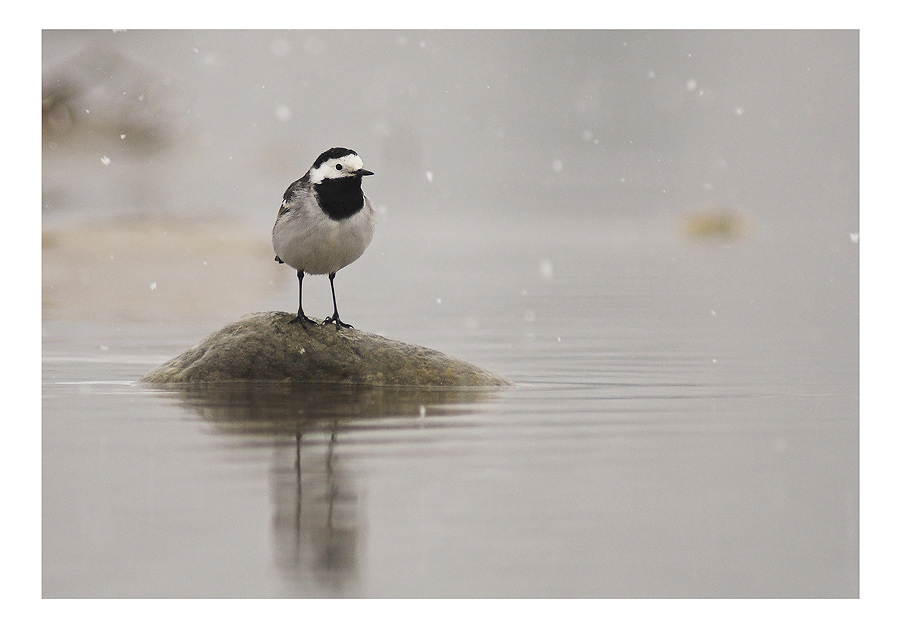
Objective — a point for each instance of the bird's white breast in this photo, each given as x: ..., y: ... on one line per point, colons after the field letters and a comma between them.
x: 316, y: 244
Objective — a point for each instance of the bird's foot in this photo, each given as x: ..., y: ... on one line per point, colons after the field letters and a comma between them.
x: 336, y: 321
x: 303, y: 320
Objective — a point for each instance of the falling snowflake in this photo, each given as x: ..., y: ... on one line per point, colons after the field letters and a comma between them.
x: 545, y: 269
x: 283, y: 113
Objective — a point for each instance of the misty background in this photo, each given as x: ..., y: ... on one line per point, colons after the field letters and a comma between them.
x: 458, y: 123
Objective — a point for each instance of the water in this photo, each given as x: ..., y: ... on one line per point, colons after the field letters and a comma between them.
x: 685, y: 419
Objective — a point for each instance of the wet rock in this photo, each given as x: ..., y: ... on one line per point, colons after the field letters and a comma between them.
x: 266, y: 347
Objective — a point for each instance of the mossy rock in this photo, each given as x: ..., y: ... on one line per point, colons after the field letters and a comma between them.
x: 267, y: 347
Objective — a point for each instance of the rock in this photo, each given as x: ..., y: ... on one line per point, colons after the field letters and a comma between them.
x: 266, y: 347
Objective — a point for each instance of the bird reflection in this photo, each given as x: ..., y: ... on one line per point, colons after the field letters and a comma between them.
x: 315, y: 521
x: 317, y: 526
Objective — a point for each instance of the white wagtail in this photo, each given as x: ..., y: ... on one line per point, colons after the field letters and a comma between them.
x: 325, y: 222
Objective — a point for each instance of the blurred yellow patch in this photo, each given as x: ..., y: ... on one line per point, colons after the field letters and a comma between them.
x: 715, y: 224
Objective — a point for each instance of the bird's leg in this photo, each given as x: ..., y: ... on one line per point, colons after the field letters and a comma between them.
x: 301, y: 317
x: 335, y: 318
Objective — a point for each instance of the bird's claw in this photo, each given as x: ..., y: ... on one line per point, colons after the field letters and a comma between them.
x: 338, y: 324
x: 303, y: 320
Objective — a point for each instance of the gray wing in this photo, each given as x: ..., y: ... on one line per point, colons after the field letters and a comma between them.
x: 287, y: 201
x: 291, y: 192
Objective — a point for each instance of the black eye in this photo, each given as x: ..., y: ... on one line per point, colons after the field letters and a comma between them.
x: 339, y: 167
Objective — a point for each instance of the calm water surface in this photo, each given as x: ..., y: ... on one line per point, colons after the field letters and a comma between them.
x: 684, y: 424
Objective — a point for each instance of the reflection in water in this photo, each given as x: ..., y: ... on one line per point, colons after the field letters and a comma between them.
x: 291, y: 408
x: 316, y: 522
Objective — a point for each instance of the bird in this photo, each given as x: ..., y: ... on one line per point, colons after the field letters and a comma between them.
x: 325, y: 223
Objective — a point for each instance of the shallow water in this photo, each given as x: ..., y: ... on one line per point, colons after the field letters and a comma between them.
x: 685, y: 419
x: 674, y: 431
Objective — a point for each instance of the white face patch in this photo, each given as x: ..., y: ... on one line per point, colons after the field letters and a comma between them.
x: 336, y: 168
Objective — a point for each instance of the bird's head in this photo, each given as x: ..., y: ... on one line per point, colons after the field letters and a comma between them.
x: 337, y: 163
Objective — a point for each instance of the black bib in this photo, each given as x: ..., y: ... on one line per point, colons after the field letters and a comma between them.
x: 340, y: 198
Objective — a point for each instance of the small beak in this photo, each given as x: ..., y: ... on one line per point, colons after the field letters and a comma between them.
x: 362, y: 172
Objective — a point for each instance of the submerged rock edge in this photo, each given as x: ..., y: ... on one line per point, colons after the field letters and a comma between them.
x: 266, y: 347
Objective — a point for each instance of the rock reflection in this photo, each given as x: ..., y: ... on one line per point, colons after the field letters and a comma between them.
x: 317, y: 525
